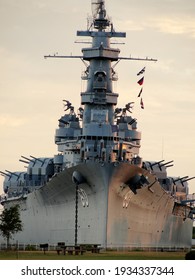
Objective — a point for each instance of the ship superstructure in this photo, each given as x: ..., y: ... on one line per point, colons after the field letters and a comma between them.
x: 124, y: 201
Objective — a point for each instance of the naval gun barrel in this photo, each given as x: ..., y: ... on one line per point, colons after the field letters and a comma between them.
x: 170, y: 165
x: 183, y: 181
x: 178, y: 179
x: 13, y: 173
x: 5, y: 174
x: 37, y: 159
x: 28, y: 159
x: 132, y: 121
x: 155, y: 163
x: 25, y: 161
x: 164, y: 164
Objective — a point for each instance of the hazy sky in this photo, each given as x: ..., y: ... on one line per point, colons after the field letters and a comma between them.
x: 32, y: 88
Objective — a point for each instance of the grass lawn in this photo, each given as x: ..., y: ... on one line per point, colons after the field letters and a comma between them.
x: 108, y: 255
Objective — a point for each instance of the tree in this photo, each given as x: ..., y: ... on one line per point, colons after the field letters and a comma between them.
x: 10, y: 222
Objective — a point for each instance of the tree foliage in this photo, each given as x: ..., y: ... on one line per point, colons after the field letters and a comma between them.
x: 10, y: 222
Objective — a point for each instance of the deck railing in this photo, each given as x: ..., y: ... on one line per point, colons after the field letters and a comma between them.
x: 133, y: 247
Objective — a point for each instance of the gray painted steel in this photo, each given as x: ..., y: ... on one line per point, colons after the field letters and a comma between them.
x: 123, y: 201
x: 110, y: 215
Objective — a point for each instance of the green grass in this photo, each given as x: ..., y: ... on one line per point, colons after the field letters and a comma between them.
x: 108, y: 255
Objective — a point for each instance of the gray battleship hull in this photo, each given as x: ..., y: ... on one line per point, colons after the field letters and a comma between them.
x: 109, y: 213
x: 89, y: 192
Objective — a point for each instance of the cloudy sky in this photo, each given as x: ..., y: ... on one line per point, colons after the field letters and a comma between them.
x: 32, y: 88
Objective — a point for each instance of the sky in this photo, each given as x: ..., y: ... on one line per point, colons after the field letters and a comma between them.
x: 32, y: 88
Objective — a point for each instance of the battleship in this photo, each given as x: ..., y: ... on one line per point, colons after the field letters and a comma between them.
x: 97, y: 189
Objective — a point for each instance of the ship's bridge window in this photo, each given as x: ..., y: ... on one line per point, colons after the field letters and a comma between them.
x: 100, y: 74
x: 100, y: 80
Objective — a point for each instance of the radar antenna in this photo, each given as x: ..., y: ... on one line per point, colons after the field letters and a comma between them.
x: 100, y: 21
x: 98, y: 7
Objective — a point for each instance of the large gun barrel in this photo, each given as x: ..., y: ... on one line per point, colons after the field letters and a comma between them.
x: 12, y: 173
x: 25, y: 161
x: 166, y: 163
x: 28, y: 159
x: 156, y: 163
x: 170, y: 165
x: 37, y: 159
x: 178, y: 179
x: 132, y: 121
x: 183, y: 181
x: 5, y: 174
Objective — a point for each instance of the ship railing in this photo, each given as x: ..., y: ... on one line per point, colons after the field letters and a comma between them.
x: 26, y: 246
x: 131, y: 247
x: 157, y: 248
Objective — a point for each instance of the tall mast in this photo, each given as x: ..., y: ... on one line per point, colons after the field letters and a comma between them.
x: 99, y: 99
x: 100, y: 73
